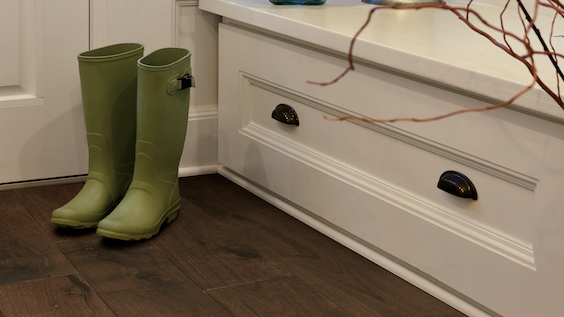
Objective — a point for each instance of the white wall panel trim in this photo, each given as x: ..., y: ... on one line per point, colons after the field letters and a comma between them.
x: 202, y: 113
x: 176, y: 18
x: 197, y: 170
x: 21, y: 74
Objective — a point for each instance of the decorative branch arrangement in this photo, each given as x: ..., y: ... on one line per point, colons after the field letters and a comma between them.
x: 464, y: 14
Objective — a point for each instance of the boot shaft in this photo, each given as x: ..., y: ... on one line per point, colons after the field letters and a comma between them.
x: 162, y: 117
x: 162, y: 107
x: 108, y: 78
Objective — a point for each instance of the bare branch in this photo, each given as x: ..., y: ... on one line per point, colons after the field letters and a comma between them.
x: 527, y: 59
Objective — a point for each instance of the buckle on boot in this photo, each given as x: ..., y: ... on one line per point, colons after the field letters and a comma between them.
x: 175, y: 84
x: 186, y: 81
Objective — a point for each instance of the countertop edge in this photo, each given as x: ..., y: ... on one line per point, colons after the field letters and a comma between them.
x: 535, y: 102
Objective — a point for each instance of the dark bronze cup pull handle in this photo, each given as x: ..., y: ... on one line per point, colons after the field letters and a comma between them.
x: 285, y: 114
x: 457, y: 184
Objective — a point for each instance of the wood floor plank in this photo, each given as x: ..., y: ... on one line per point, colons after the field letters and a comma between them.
x: 355, y: 284
x: 280, y: 297
x: 40, y: 203
x: 135, y: 279
x: 210, y: 255
x: 25, y: 250
x: 215, y: 192
x: 253, y: 258
x: 57, y: 296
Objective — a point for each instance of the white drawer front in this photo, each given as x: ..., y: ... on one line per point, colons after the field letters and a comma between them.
x: 394, y: 166
x: 379, y: 182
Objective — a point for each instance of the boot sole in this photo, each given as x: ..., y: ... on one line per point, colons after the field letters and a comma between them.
x: 72, y: 224
x: 127, y: 237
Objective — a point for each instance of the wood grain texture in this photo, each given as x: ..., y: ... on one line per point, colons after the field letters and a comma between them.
x: 26, y: 252
x: 40, y: 202
x: 57, y: 296
x: 211, y: 255
x: 228, y: 253
x: 355, y: 284
x: 280, y: 297
x: 135, y: 279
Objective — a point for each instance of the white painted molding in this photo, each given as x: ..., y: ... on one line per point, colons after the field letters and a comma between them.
x: 195, y: 112
x: 367, y: 251
x: 511, y: 176
x: 23, y: 84
x: 182, y: 172
x: 494, y: 240
x: 176, y: 29
x: 197, y: 170
x: 202, y: 113
x: 31, y: 48
x: 43, y: 182
x: 14, y: 96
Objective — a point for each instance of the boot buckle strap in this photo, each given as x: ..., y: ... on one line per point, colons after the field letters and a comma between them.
x: 175, y: 84
x: 186, y: 81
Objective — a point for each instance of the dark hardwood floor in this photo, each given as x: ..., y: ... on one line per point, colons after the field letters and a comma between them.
x: 228, y: 253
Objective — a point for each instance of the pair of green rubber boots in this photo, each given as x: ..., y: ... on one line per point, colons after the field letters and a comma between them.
x: 136, y: 112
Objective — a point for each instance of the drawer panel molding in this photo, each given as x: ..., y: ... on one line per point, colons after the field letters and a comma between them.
x: 332, y: 110
x: 496, y: 241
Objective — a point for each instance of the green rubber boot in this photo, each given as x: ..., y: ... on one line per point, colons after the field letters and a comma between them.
x: 108, y: 78
x: 162, y: 117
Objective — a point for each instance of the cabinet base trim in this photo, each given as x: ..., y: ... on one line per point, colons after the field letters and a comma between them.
x: 197, y: 170
x: 411, y: 275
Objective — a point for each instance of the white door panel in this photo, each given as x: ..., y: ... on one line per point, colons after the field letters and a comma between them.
x: 41, y: 123
x: 21, y: 142
x: 9, y: 30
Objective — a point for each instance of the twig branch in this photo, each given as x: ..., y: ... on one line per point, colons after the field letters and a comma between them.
x: 538, y: 33
x: 526, y: 59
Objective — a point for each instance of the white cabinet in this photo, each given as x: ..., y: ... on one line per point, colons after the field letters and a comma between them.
x: 377, y: 183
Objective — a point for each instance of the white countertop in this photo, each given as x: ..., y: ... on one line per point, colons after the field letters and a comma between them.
x: 430, y: 43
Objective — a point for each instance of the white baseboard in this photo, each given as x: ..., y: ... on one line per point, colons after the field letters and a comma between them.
x: 411, y: 275
x: 43, y: 182
x: 182, y: 172
x: 197, y: 170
